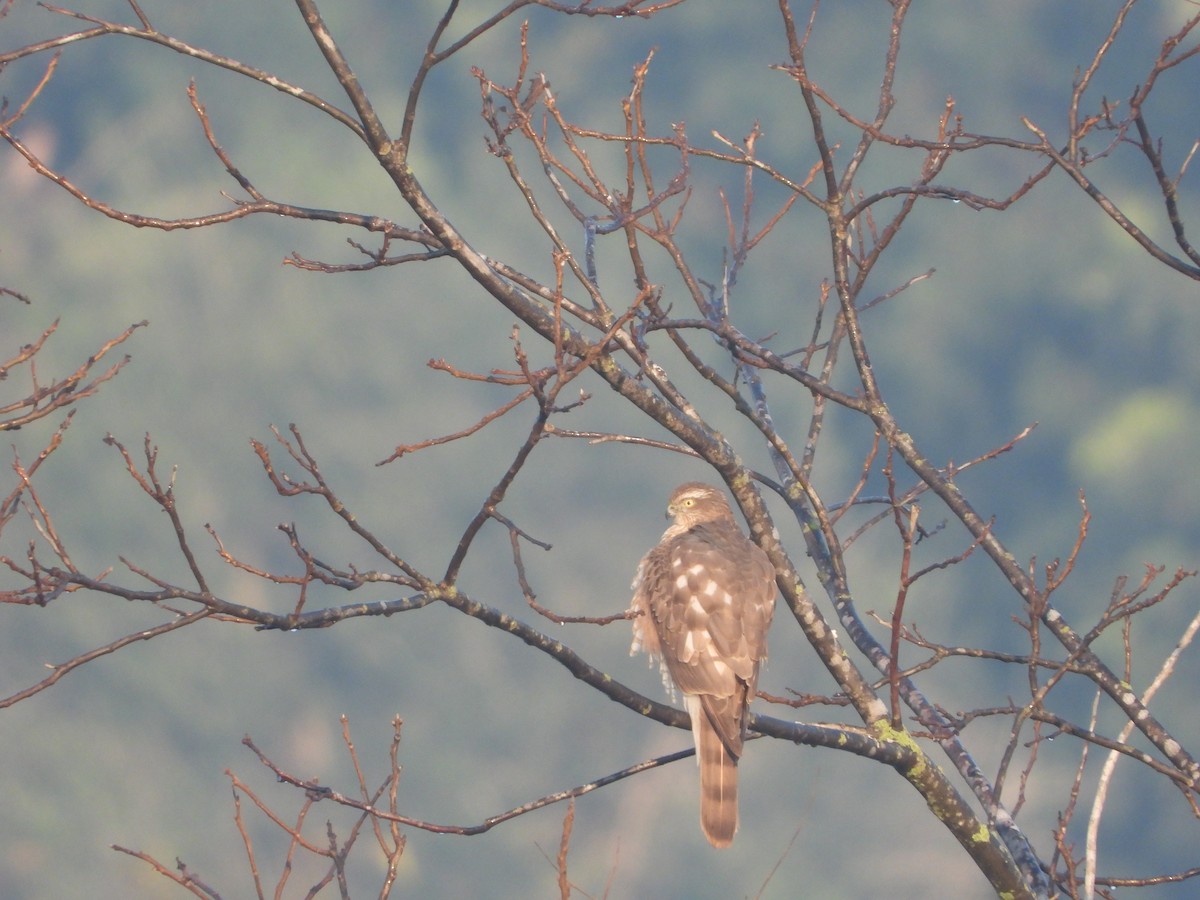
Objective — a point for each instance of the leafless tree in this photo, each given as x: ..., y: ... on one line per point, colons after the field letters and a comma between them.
x: 665, y: 333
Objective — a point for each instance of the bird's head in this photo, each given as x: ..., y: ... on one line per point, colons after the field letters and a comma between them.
x: 694, y: 503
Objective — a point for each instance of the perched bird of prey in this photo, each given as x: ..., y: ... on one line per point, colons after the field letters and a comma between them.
x: 706, y: 594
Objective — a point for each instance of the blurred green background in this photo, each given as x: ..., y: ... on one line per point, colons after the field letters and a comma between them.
x: 1045, y: 313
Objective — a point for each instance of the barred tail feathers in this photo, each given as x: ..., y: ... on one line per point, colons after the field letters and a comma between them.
x: 718, y: 779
